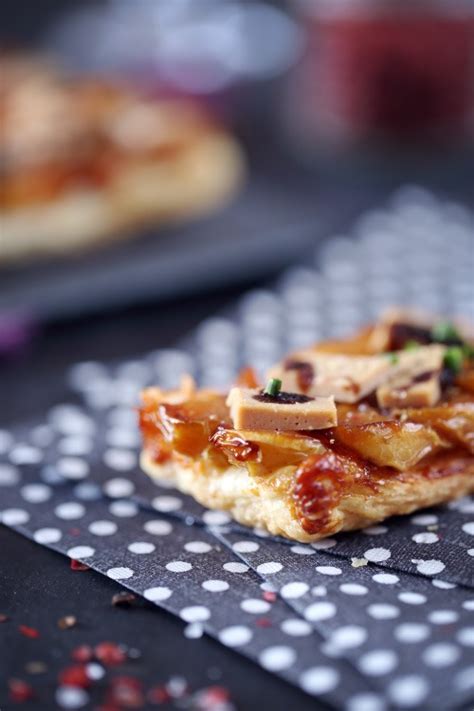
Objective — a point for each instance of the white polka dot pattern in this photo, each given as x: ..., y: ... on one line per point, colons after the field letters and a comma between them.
x: 344, y: 633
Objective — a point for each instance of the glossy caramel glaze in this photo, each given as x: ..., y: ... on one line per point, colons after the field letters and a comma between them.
x: 369, y: 447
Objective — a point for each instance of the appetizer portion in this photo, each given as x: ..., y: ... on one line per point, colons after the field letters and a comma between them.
x: 343, y: 434
x: 84, y: 159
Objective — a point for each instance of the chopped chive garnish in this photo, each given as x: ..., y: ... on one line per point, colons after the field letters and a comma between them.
x: 445, y: 331
x: 411, y: 346
x: 393, y: 358
x: 273, y: 387
x: 453, y: 359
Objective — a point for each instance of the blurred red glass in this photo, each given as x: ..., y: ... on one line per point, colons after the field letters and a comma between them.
x: 378, y: 69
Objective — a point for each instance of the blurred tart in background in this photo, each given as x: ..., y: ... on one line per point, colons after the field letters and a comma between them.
x: 85, y: 159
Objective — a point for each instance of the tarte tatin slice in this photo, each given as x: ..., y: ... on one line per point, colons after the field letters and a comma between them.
x: 340, y: 436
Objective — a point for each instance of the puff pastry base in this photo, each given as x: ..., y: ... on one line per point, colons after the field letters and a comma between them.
x: 257, y: 503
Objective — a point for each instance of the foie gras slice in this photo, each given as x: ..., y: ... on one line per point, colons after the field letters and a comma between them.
x: 399, y: 325
x: 417, y: 382
x: 350, y: 378
x: 252, y: 409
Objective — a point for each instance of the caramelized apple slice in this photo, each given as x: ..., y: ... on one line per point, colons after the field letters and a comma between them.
x: 455, y: 422
x: 394, y: 444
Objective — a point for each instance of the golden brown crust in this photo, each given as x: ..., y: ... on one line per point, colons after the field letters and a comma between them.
x: 254, y: 502
x: 306, y: 485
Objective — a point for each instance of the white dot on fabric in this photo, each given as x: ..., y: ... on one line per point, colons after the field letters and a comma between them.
x: 353, y: 589
x: 141, y: 548
x: 441, y: 655
x: 466, y: 636
x: 302, y: 550
x: 216, y: 518
x: 178, y: 566
x: 75, y: 445
x: 118, y: 488
x: 195, y: 613
x: 103, y: 528
x: 443, y: 617
x: 324, y: 544
x: 320, y: 611
x: 215, y: 585
x: 383, y: 611
x: 319, y: 591
x: 468, y: 604
x: 25, y: 454
x: 70, y: 510
x: 443, y: 584
x: 120, y: 573
x: 366, y: 702
x: 6, y: 441
x: 72, y: 468
x: 14, y: 517
x: 411, y: 632
x: 328, y: 570
x: 123, y: 509
x: 9, y: 475
x: 165, y: 504
x: 232, y: 567
x: 424, y: 520
x: 471, y: 552
x: 158, y: 594
x: 158, y: 527
x: 425, y: 537
x: 36, y: 493
x: 80, y: 552
x: 235, y: 636
x: 254, y: 606
x: 277, y: 658
x: 378, y: 662
x: 348, y: 637
x: 47, y: 535
x: 412, y: 598
x: 290, y: 591
x: 464, y: 679
x: 296, y: 627
x: 269, y: 568
x: 429, y: 567
x: 377, y: 555
x: 197, y: 547
x: 408, y: 691
x: 121, y: 460
x: 469, y: 528
x: 319, y: 680
x: 245, y: 547
x: 385, y: 578
x: 375, y: 530
x: 87, y: 491
x: 71, y: 697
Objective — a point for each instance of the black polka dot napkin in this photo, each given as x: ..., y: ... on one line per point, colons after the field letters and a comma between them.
x: 374, y: 620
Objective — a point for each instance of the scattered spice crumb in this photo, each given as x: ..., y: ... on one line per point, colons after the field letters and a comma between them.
x: 83, y: 653
x: 126, y: 691
x: 269, y: 596
x: 20, y: 691
x: 433, y: 527
x: 3, y: 618
x: 263, y: 622
x: 75, y: 675
x: 36, y: 667
x: 77, y: 565
x: 359, y: 562
x: 30, y: 632
x: 65, y: 623
x: 110, y: 654
x: 123, y: 599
